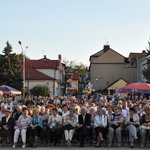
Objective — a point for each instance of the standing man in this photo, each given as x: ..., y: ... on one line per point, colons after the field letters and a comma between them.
x: 84, y: 125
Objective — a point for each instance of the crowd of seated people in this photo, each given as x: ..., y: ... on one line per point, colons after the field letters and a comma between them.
x: 63, y: 118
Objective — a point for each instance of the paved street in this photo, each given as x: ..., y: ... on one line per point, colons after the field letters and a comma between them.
x: 76, y: 147
x: 73, y: 148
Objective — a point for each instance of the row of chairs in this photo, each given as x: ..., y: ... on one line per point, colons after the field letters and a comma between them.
x: 90, y: 139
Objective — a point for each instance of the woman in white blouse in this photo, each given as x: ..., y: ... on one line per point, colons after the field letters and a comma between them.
x: 132, y: 122
x: 54, y: 120
x: 100, y: 124
x: 21, y: 127
x: 70, y: 122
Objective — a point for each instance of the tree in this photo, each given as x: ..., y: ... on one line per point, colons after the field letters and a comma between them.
x: 148, y: 49
x: 10, y: 68
x: 40, y: 90
x: 72, y: 66
x: 146, y: 71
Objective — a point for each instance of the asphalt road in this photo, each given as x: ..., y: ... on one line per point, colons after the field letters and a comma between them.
x: 76, y: 147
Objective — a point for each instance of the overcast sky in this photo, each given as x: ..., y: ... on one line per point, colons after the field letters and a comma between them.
x: 75, y: 29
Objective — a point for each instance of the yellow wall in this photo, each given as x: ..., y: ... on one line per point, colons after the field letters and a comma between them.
x: 74, y: 82
x: 117, y: 85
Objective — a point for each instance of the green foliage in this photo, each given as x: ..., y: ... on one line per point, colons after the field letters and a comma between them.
x: 10, y: 68
x: 40, y: 90
x: 146, y: 72
x: 72, y: 66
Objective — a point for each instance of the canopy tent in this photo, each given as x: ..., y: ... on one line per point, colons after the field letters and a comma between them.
x: 9, y: 90
x: 139, y: 87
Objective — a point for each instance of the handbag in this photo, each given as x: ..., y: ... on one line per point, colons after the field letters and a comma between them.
x: 145, y: 127
x: 68, y: 127
x: 136, y: 125
x: 56, y: 127
x: 115, y: 126
x: 16, y: 127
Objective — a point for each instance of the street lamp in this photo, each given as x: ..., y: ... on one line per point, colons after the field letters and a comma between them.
x: 28, y: 78
x: 23, y: 57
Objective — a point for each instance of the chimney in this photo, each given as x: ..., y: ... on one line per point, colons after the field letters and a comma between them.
x: 144, y: 52
x: 59, y: 57
x: 45, y: 57
x: 106, y: 48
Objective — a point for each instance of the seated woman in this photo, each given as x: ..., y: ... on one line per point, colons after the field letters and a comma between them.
x: 145, y: 125
x: 100, y: 124
x: 21, y: 127
x: 7, y: 127
x: 54, y: 127
x: 30, y: 110
x: 115, y: 125
x: 132, y: 122
x: 35, y: 130
x: 45, y: 117
x: 70, y: 122
x: 92, y: 113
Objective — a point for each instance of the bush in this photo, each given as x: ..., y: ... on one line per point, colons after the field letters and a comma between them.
x: 40, y: 90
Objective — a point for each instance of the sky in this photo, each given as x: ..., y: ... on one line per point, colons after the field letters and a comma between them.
x: 76, y: 29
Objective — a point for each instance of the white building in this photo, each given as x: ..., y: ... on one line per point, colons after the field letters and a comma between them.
x: 45, y: 72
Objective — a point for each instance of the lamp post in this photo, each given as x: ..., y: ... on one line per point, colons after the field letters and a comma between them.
x: 28, y: 91
x: 23, y: 58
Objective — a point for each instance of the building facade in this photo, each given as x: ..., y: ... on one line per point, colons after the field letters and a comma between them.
x: 46, y: 72
x: 108, y: 66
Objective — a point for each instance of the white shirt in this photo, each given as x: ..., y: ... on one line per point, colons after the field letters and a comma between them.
x: 100, y: 120
x: 23, y: 120
x: 65, y: 113
x: 52, y: 118
x: 1, y: 115
x: 56, y: 101
x: 10, y: 106
x: 7, y: 119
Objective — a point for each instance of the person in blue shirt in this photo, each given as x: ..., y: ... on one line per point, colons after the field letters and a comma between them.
x: 35, y: 130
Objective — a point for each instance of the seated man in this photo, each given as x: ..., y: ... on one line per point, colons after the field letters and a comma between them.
x: 84, y: 120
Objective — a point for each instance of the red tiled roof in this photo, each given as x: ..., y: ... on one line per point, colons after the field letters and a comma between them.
x: 69, y: 74
x: 33, y: 74
x: 75, y: 76
x: 43, y: 64
x: 134, y: 55
x: 31, y: 67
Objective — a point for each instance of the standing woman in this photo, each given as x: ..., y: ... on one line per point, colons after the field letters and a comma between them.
x: 21, y: 127
x: 132, y: 121
x: 100, y: 124
x: 35, y: 127
x: 70, y: 122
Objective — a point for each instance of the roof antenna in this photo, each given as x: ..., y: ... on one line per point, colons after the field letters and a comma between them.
x: 107, y: 43
x: 43, y: 52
